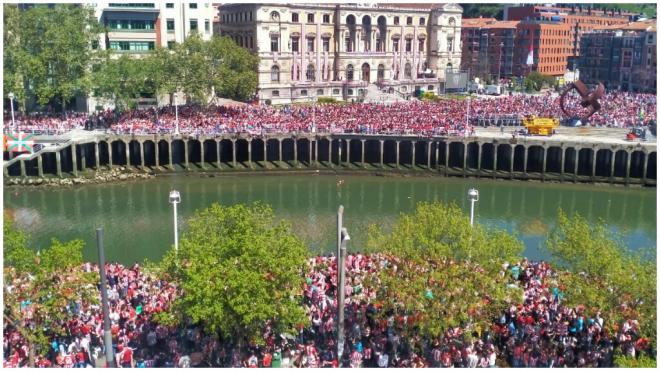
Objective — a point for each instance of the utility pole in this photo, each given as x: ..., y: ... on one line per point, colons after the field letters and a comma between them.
x: 107, y: 334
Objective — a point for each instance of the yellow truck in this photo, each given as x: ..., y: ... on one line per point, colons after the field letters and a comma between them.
x: 540, y: 125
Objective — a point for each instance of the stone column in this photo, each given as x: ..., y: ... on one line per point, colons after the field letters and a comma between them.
x: 339, y: 153
x: 479, y: 158
x: 185, y: 153
x: 40, y: 166
x: 23, y: 172
x: 217, y: 147
x: 511, y: 158
x: 201, y: 154
x: 170, y: 144
x: 128, y: 154
x: 545, y: 161
x: 412, y: 161
x: 295, y: 153
x: 465, y: 155
x: 612, y: 162
x: 110, y: 155
x: 233, y: 149
x: 74, y: 159
x: 363, y: 142
x: 628, y: 159
x: 316, y: 153
x: 594, y: 151
x: 563, y: 159
x: 280, y: 144
x: 97, y: 156
x: 83, y: 157
x: 428, y: 155
x: 382, y: 148
x: 157, y: 153
x: 330, y: 152
x: 525, y: 158
x: 397, y: 154
x: 495, y: 146
x: 437, y: 156
x: 348, y: 153
x: 141, y: 154
x: 58, y: 163
x: 575, y: 168
x: 446, y: 158
x: 644, y: 167
x: 309, y: 152
x: 265, y: 154
x: 249, y: 142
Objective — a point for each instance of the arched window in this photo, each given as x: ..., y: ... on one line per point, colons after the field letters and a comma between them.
x: 449, y: 67
x: 381, y: 71
x: 310, y: 72
x: 407, y: 72
x: 349, y: 72
x: 450, y: 43
x: 275, y: 74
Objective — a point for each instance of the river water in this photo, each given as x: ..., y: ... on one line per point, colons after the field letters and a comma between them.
x: 137, y: 217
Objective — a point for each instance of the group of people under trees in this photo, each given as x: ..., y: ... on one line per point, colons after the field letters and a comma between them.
x: 424, y: 118
x: 539, y: 331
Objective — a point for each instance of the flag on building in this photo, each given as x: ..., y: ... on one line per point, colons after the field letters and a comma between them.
x: 530, y: 55
x: 19, y: 142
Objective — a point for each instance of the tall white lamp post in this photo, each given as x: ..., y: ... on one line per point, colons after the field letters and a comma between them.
x: 473, y: 196
x: 176, y: 111
x: 175, y: 198
x: 11, y: 101
x: 342, y: 278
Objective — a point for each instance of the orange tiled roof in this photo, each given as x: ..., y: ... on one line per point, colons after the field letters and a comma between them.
x: 477, y: 22
x: 649, y: 25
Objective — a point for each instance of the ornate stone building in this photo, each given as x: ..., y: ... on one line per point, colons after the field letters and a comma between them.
x: 309, y: 51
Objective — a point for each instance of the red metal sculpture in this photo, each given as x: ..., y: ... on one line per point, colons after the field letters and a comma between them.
x: 589, y: 98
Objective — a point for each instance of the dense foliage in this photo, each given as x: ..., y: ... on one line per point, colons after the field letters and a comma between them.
x: 48, y: 51
x: 41, y: 287
x: 238, y: 269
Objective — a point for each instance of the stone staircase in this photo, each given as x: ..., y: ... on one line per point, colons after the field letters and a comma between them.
x: 375, y: 95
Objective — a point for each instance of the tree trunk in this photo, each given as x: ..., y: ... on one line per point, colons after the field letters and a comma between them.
x: 31, y: 362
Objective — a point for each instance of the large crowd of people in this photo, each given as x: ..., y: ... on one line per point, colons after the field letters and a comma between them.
x: 541, y: 331
x: 424, y: 118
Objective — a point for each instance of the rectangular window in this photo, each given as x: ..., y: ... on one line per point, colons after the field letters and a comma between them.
x: 396, y: 20
x: 310, y: 18
x: 137, y: 46
x: 409, y: 21
x: 193, y: 25
x: 319, y: 92
x: 192, y: 5
x: 395, y: 44
x: 170, y: 44
x: 294, y: 17
x: 408, y: 45
x: 326, y: 44
x: 421, y: 45
x: 207, y: 25
x: 422, y: 21
x: 169, y: 5
x: 276, y: 93
x: 310, y: 44
x: 131, y: 5
x: 303, y: 93
x: 130, y: 25
x: 295, y: 44
x: 170, y: 25
x: 274, y: 45
x: 326, y: 18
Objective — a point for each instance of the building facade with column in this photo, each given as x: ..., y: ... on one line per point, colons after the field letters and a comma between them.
x: 488, y: 47
x: 581, y: 18
x: 621, y: 57
x: 339, y: 50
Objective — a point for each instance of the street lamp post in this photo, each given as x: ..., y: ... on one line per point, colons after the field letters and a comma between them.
x: 175, y: 198
x: 342, y: 293
x: 473, y: 196
x: 107, y: 334
x: 11, y: 103
x: 176, y: 111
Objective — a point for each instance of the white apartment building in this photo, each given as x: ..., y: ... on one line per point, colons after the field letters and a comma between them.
x: 337, y: 50
x: 140, y: 27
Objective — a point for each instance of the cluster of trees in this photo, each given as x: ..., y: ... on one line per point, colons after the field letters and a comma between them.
x: 239, y: 268
x: 52, y: 54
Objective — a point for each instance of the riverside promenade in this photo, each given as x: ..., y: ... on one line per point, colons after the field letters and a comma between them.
x: 582, y: 154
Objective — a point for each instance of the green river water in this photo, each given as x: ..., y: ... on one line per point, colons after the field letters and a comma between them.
x: 137, y: 217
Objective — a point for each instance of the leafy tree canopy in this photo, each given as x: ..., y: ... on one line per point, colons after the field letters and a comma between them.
x: 238, y: 269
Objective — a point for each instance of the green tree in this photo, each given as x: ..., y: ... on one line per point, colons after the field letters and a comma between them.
x: 237, y: 269
x: 123, y: 80
x: 49, y: 50
x: 40, y: 289
x: 438, y: 253
x: 603, y: 274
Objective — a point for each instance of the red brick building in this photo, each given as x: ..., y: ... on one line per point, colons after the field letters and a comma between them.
x: 488, y: 46
x: 580, y: 19
x: 551, y: 47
